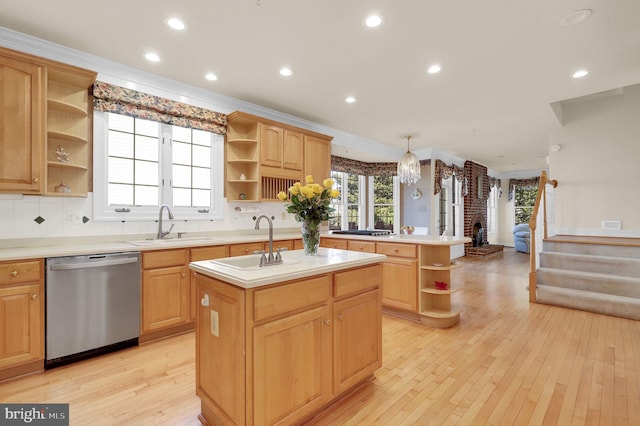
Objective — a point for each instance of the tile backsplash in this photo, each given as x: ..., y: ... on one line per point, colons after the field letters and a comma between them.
x: 50, y: 217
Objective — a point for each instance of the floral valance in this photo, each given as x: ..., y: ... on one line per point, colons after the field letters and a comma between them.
x: 110, y: 98
x: 347, y: 165
x: 444, y: 171
x: 525, y: 183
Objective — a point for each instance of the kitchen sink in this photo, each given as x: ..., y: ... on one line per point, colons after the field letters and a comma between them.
x: 248, y: 262
x: 159, y: 241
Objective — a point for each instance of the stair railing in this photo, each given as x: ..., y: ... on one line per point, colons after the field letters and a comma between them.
x: 533, y: 221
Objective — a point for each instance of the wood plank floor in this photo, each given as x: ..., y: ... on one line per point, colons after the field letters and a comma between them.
x: 507, y: 362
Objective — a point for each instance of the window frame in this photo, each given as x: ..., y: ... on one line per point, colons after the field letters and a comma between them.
x: 344, y: 205
x: 396, y: 203
x: 103, y: 212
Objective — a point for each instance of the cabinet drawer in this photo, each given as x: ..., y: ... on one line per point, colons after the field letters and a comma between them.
x: 205, y: 253
x: 334, y: 243
x: 162, y: 258
x: 365, y: 246
x: 357, y: 280
x: 290, y: 297
x: 20, y: 272
x: 242, y: 249
x: 395, y: 249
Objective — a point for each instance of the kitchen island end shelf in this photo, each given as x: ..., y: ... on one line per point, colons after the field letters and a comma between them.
x: 278, y: 344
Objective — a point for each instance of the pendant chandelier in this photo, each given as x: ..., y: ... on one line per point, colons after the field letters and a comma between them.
x: 409, y: 166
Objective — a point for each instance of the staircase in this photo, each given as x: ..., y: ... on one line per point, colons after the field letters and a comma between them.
x: 596, y: 274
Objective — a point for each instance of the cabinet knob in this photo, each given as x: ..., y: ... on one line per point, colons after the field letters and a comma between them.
x: 327, y: 322
x: 34, y: 180
x: 205, y: 300
x: 14, y: 273
x: 340, y: 317
x: 34, y: 296
x: 184, y: 274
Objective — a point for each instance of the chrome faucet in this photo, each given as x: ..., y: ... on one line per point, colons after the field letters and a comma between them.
x: 270, y: 259
x: 161, y: 233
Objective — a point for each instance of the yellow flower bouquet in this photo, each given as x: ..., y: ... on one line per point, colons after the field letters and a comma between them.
x: 311, y: 205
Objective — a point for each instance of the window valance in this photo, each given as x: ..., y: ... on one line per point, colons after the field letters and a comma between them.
x: 444, y: 171
x: 347, y: 165
x: 110, y: 98
x: 525, y: 183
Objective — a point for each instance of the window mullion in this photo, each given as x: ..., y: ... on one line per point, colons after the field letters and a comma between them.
x: 166, y: 176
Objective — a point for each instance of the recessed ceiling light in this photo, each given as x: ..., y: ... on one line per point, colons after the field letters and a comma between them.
x: 580, y: 73
x: 152, y: 57
x: 434, y: 69
x: 286, y: 72
x: 211, y: 76
x: 373, y: 21
x: 176, y: 23
x: 350, y: 99
x: 576, y: 17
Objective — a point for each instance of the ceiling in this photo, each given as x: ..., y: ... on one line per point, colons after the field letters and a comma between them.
x: 503, y: 62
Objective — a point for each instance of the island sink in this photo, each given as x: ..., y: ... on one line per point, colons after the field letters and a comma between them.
x: 251, y: 261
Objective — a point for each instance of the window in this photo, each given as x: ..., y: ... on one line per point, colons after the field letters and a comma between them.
x: 451, y: 207
x: 384, y: 202
x: 349, y: 207
x: 142, y: 164
x: 524, y: 201
x: 492, y: 210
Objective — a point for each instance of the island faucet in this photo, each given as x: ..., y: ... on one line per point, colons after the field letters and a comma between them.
x: 161, y: 233
x: 270, y: 259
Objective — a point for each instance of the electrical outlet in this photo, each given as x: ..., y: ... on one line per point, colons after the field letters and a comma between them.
x: 215, y: 324
x: 283, y: 215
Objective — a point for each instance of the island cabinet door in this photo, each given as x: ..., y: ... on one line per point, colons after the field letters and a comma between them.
x: 357, y: 347
x: 220, y: 348
x: 292, y: 367
x: 399, y: 284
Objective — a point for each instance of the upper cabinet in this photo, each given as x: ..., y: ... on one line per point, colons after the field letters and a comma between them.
x: 264, y: 157
x: 21, y: 125
x: 69, y: 131
x: 46, y: 126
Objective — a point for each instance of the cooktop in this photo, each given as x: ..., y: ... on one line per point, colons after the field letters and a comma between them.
x: 369, y: 232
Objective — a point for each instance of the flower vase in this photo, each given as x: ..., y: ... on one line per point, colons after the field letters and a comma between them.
x: 310, y: 237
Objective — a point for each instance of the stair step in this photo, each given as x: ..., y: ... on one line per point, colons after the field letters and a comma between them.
x: 622, y: 266
x: 608, y: 304
x: 589, y: 281
x: 629, y: 251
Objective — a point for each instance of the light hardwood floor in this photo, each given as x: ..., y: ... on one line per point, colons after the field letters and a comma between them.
x: 507, y: 362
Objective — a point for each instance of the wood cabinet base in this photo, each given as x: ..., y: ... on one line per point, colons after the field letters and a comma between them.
x: 21, y: 370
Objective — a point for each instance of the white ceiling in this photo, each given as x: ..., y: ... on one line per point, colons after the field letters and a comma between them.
x: 503, y: 62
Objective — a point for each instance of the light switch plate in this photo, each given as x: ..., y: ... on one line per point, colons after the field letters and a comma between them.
x: 215, y: 325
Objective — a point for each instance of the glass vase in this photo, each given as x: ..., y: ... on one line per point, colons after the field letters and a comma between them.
x: 310, y: 237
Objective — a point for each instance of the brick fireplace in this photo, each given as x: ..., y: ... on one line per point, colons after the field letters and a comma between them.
x: 475, y: 211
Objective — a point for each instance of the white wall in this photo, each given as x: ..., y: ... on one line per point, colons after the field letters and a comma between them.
x: 598, y: 164
x: 417, y: 212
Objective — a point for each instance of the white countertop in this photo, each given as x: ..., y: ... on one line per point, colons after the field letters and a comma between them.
x: 404, y: 238
x: 55, y: 247
x: 296, y: 265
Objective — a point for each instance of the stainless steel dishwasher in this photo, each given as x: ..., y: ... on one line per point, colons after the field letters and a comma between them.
x: 92, y: 305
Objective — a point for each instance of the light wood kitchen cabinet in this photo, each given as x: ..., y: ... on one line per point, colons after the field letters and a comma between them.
x: 69, y: 131
x: 245, y: 248
x: 203, y: 253
x: 22, y: 135
x: 336, y: 243
x: 166, y: 290
x: 272, y: 156
x: 363, y: 246
x: 47, y: 126
x: 21, y: 317
x: 317, y: 157
x: 279, y: 353
x: 399, y: 274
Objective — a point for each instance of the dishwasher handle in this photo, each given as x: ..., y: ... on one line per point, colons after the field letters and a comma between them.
x: 93, y: 264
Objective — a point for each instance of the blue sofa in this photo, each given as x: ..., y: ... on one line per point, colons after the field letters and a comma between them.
x: 521, y: 237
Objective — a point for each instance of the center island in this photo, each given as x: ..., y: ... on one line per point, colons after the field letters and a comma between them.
x: 277, y: 344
